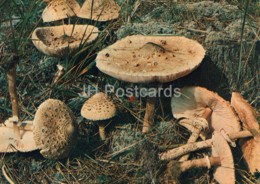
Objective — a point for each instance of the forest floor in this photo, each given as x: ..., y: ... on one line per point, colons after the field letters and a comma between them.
x: 127, y: 156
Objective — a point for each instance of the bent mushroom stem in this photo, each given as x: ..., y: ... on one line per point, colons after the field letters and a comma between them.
x: 11, y: 77
x: 190, y: 147
x: 196, y: 133
x: 149, y: 114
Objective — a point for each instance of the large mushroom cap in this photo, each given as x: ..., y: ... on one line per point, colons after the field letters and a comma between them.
x: 140, y: 59
x: 98, y: 107
x: 10, y: 144
x: 193, y: 103
x: 60, y: 9
x: 59, y: 40
x: 100, y: 10
x: 250, y: 147
x: 54, y: 129
x: 224, y: 174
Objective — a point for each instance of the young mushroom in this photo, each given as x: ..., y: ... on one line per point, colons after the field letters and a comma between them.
x: 99, y: 108
x: 200, y: 109
x: 60, y: 9
x: 53, y: 132
x: 99, y: 10
x: 61, y: 40
x: 152, y: 60
x: 221, y: 158
x: 251, y: 146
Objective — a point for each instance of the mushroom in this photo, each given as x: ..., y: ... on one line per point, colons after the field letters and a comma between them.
x: 222, y: 158
x: 99, y: 10
x: 150, y: 59
x: 204, y: 108
x: 190, y: 147
x: 53, y: 132
x: 55, y: 129
x: 60, y: 9
x: 250, y: 147
x: 59, y: 40
x: 99, y: 108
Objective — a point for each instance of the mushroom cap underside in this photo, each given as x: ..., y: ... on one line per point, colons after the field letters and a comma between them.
x: 224, y: 174
x: 145, y: 59
x: 99, y: 10
x: 55, y: 129
x: 60, y: 9
x: 10, y: 144
x: 59, y: 40
x: 193, y: 103
x: 98, y: 107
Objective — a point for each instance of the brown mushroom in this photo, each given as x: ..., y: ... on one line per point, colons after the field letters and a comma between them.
x: 250, y: 147
x: 99, y: 108
x: 60, y: 9
x: 222, y: 158
x: 55, y: 129
x: 61, y: 40
x: 150, y: 59
x: 204, y: 108
x: 99, y: 10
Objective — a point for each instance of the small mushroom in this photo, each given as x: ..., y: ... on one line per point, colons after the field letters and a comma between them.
x: 59, y: 40
x: 152, y: 60
x: 222, y: 159
x: 190, y: 147
x: 55, y: 129
x: 60, y: 9
x: 99, y: 108
x: 204, y: 108
x: 250, y: 147
x: 99, y: 10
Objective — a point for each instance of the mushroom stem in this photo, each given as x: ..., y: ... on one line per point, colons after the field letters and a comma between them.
x: 190, y: 147
x: 196, y: 133
x: 149, y: 114
x: 102, y: 132
x: 11, y: 77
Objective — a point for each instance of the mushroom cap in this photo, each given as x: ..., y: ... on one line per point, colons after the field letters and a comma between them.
x: 193, y: 103
x: 99, y: 10
x: 224, y: 174
x: 55, y: 129
x: 141, y: 59
x: 10, y: 144
x: 60, y: 9
x: 59, y: 40
x: 98, y: 107
x: 245, y: 111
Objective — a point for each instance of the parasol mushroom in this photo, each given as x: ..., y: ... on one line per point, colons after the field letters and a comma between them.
x: 55, y: 129
x: 250, y: 147
x: 60, y: 9
x: 221, y: 157
x: 204, y: 108
x: 59, y: 40
x: 150, y: 59
x: 99, y: 108
x: 99, y: 10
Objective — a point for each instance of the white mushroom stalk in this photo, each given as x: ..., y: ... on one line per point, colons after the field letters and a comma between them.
x: 190, y: 147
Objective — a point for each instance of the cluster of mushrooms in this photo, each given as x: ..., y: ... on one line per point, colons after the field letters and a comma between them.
x: 152, y: 60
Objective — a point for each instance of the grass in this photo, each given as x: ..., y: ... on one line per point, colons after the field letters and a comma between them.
x: 94, y: 161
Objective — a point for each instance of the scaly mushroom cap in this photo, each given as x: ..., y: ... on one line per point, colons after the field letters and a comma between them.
x: 10, y: 144
x: 98, y: 107
x: 141, y: 59
x: 55, y: 129
x: 193, y: 103
x: 99, y: 10
x: 250, y: 147
x: 224, y: 174
x: 59, y: 40
x: 60, y: 9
